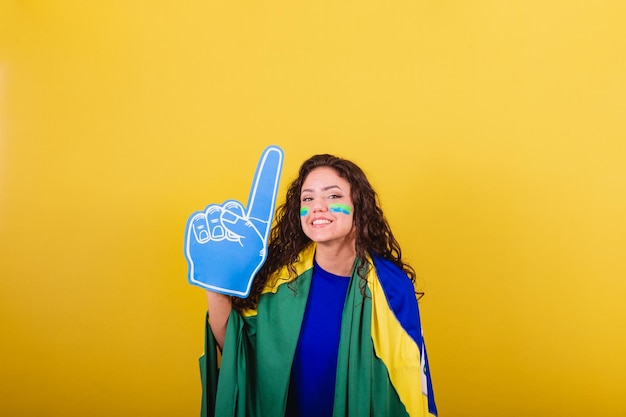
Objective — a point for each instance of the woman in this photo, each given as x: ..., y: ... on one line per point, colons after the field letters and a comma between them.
x: 331, y: 326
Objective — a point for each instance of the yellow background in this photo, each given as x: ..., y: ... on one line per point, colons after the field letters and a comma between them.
x: 494, y: 132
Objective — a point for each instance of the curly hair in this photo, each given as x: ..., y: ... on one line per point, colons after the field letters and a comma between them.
x: 287, y: 239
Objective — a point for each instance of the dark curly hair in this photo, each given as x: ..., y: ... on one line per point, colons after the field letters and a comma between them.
x: 287, y: 239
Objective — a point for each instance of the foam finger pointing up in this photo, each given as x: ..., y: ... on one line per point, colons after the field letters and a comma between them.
x: 262, y: 199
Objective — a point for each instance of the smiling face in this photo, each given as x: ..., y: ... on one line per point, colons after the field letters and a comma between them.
x: 326, y: 208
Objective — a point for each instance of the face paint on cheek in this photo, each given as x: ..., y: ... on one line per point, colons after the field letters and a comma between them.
x: 304, y: 210
x: 340, y: 208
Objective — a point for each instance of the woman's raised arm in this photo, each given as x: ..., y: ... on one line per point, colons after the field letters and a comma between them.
x: 220, y: 306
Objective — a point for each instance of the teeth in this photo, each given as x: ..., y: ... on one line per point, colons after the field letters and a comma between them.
x: 321, y: 221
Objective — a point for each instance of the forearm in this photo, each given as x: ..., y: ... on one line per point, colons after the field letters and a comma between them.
x: 220, y: 306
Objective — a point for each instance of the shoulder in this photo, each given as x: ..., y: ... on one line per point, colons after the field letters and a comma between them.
x: 285, y: 274
x: 393, y: 279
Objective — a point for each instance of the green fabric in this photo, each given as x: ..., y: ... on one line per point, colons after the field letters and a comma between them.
x: 209, y: 373
x: 362, y: 387
x: 258, y: 352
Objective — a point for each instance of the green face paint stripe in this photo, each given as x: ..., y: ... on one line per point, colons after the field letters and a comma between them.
x: 304, y: 211
x: 340, y: 208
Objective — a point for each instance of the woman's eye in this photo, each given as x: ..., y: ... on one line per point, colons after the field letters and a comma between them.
x: 306, y: 199
x: 334, y: 196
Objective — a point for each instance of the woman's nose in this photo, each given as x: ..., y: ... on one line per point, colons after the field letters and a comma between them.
x: 318, y: 206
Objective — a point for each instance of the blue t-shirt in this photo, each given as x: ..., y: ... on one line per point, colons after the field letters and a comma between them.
x: 313, y: 373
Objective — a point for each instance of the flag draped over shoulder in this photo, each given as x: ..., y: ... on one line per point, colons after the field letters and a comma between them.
x: 382, y: 367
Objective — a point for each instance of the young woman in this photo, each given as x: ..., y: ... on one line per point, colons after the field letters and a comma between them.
x: 331, y: 326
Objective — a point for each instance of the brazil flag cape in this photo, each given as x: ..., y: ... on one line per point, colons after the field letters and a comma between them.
x: 382, y: 368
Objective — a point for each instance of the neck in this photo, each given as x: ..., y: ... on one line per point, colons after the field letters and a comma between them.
x: 336, y: 260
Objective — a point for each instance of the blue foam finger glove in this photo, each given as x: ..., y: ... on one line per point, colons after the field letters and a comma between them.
x: 226, y: 245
